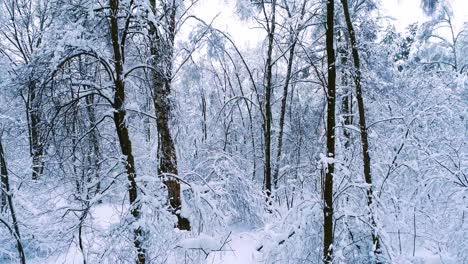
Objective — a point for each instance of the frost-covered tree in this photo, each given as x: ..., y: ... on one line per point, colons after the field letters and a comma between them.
x: 153, y: 132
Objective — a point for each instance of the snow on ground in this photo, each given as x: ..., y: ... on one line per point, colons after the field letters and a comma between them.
x: 428, y: 257
x: 203, y: 241
x: 104, y: 215
x: 240, y: 250
x: 240, y: 246
x: 72, y: 256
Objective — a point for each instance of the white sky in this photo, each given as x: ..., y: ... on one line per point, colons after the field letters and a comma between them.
x: 404, y: 12
x: 244, y: 34
x: 409, y: 11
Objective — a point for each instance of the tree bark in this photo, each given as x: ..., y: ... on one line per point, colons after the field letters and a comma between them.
x: 95, y: 159
x: 347, y: 98
x: 34, y: 120
x: 364, y: 133
x: 122, y: 130
x: 283, y: 111
x: 293, y: 41
x: 162, y: 52
x: 330, y: 168
x: 5, y: 190
x: 3, y: 185
x: 268, y: 91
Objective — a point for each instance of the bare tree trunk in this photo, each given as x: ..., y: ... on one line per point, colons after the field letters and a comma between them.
x: 346, y: 107
x: 330, y: 168
x: 347, y: 98
x: 80, y: 235
x: 79, y: 181
x: 293, y: 41
x: 364, y: 134
x: 162, y: 51
x: 3, y: 186
x: 122, y: 130
x: 271, y: 25
x: 34, y: 120
x: 5, y: 189
x: 22, y: 31
x: 204, y: 115
x: 283, y: 110
x: 95, y: 147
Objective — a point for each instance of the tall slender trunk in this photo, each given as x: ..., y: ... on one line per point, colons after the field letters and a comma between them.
x: 122, y: 130
x: 293, y: 41
x: 3, y: 186
x: 283, y: 110
x: 268, y: 91
x: 364, y: 133
x: 347, y: 97
x: 79, y: 181
x: 330, y: 168
x: 95, y: 159
x: 5, y: 190
x: 204, y: 115
x: 162, y: 52
x: 80, y: 235
x: 346, y: 107
x: 34, y: 119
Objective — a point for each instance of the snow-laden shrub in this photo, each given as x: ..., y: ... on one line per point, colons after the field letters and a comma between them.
x: 223, y: 193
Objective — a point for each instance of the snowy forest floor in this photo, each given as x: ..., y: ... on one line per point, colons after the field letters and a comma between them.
x: 240, y: 246
x: 240, y: 250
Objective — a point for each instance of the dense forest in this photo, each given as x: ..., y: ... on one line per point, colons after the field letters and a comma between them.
x: 142, y: 132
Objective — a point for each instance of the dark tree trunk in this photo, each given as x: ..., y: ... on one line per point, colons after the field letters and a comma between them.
x: 293, y: 41
x: 346, y: 105
x: 122, y: 130
x: 36, y: 147
x: 162, y: 52
x: 347, y: 97
x: 95, y: 158
x: 268, y: 91
x: 5, y: 190
x: 330, y: 168
x: 283, y: 111
x: 3, y: 187
x: 347, y: 108
x: 362, y: 125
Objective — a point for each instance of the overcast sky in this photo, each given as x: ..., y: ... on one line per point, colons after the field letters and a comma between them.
x: 409, y: 11
x: 244, y: 34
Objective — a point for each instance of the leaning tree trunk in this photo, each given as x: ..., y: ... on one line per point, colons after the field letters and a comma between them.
x: 122, y: 130
x: 162, y: 52
x: 330, y: 167
x: 364, y: 134
x: 5, y: 190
